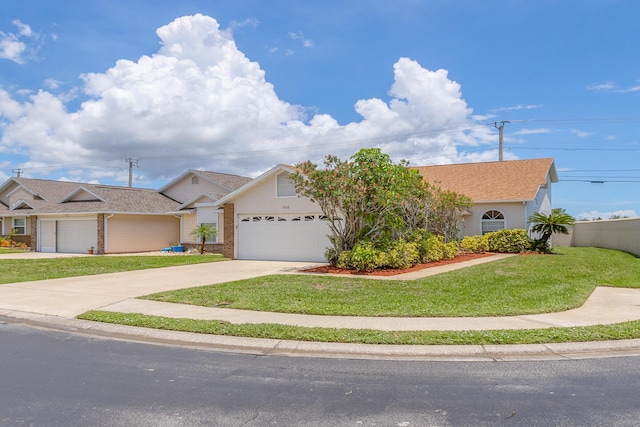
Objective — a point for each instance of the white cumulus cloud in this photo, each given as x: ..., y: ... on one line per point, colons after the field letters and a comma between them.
x: 199, y: 102
x: 15, y: 46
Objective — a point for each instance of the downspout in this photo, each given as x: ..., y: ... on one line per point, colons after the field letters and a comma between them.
x: 526, y: 223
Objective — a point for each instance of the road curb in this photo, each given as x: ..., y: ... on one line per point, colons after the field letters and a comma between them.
x: 272, y: 347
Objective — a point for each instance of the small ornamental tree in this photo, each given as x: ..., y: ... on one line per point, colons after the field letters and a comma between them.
x: 555, y: 222
x: 202, y: 233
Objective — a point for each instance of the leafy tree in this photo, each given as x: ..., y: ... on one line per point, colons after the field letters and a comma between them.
x: 446, y: 213
x: 369, y: 198
x: 555, y: 222
x: 203, y: 232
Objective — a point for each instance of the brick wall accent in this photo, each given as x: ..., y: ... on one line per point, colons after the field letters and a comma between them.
x: 100, y: 240
x: 210, y: 248
x: 229, y: 230
x: 33, y: 241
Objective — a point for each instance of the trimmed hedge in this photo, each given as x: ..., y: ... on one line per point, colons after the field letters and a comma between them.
x: 508, y: 241
x: 420, y: 247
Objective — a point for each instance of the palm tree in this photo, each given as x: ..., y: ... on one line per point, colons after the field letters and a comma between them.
x: 555, y: 222
x: 203, y: 232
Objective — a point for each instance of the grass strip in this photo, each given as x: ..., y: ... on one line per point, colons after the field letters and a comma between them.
x: 619, y: 331
x: 514, y: 286
x: 24, y: 270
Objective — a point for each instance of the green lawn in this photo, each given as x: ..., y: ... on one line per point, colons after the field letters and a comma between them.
x: 519, y: 285
x: 24, y: 270
x: 523, y: 284
x: 11, y: 251
x: 627, y: 330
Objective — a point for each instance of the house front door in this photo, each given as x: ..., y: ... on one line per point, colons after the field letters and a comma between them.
x: 48, y: 236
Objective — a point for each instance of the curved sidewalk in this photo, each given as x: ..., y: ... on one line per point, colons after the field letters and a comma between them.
x: 57, y: 302
x: 604, y: 306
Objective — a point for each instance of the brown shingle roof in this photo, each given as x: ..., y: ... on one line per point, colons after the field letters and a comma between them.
x: 513, y: 180
x: 232, y: 182
x: 115, y: 199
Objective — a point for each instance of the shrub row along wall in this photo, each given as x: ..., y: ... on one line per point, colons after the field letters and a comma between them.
x: 621, y: 234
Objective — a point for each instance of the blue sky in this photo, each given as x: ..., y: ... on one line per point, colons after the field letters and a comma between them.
x: 240, y: 86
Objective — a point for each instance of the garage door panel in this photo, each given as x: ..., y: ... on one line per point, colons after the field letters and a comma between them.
x: 76, y: 236
x: 282, y: 237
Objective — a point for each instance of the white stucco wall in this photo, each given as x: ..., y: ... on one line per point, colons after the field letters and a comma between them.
x: 621, y: 234
x: 184, y: 190
x: 514, y: 214
x: 261, y: 198
x: 139, y: 233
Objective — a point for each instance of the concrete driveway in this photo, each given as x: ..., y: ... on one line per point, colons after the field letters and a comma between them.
x: 69, y: 297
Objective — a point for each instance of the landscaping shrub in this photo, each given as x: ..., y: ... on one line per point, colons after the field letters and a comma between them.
x: 434, y: 249
x: 402, y: 254
x: 363, y: 257
x: 8, y: 242
x: 450, y: 250
x: 508, y: 241
x: 475, y: 244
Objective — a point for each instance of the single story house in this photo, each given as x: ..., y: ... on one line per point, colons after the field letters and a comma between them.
x: 197, y: 192
x: 266, y: 220
x: 504, y: 194
x: 60, y: 216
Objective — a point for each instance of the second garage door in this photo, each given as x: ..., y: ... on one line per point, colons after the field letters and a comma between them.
x: 76, y: 236
x: 282, y: 237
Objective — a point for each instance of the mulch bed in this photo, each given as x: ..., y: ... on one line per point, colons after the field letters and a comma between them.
x: 328, y: 269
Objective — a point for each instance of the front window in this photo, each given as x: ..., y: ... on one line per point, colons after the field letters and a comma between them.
x: 213, y: 239
x: 19, y: 226
x: 492, y: 221
x: 285, y: 186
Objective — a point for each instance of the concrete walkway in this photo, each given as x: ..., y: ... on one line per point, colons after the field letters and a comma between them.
x: 59, y: 301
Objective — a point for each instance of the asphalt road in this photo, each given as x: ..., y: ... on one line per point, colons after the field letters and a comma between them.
x: 52, y: 378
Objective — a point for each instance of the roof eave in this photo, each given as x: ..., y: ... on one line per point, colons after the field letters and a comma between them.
x: 255, y: 182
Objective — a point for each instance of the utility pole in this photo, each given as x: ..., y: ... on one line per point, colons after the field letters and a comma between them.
x: 18, y: 172
x: 500, y: 138
x: 132, y: 163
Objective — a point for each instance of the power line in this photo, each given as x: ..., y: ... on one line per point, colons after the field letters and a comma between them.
x: 596, y: 181
x: 585, y: 120
x: 377, y: 140
x: 601, y: 170
x: 574, y: 149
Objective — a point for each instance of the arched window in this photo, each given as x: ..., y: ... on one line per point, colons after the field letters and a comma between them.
x: 492, y: 221
x: 194, y: 180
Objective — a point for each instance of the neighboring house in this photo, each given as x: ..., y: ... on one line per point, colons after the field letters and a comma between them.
x: 266, y: 220
x: 197, y: 192
x: 505, y: 194
x: 59, y: 216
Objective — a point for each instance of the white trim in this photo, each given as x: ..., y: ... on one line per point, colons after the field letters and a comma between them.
x: 277, y: 183
x: 196, y: 173
x: 504, y: 220
x: 23, y: 188
x: 70, y: 196
x: 20, y: 203
x: 193, y: 199
x: 254, y: 182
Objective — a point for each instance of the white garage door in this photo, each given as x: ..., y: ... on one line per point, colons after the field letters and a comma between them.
x: 76, y: 236
x: 283, y: 237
